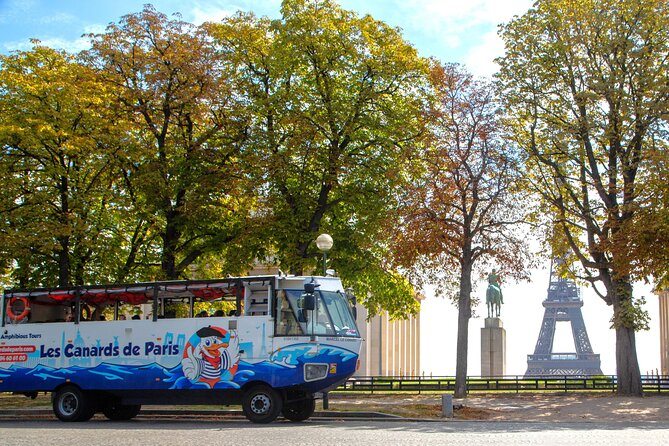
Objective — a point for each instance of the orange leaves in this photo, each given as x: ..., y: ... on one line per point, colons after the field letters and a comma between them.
x: 459, y: 209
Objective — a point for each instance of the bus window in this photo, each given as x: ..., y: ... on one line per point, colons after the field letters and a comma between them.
x: 287, y: 324
x: 20, y: 309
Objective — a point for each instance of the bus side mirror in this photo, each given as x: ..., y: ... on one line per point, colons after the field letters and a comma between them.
x: 309, y: 302
x: 308, y: 298
x: 353, y: 302
x: 306, y: 302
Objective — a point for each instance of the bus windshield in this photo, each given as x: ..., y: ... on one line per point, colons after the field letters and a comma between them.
x: 332, y: 315
x: 339, y: 312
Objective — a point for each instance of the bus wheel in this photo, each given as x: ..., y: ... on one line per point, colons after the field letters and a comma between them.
x: 261, y: 404
x: 70, y: 403
x: 121, y: 412
x: 299, y: 410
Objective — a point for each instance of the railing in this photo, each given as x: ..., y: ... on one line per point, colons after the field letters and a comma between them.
x: 562, y: 356
x: 506, y: 384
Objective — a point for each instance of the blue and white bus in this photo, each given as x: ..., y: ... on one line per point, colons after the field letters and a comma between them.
x: 285, y: 341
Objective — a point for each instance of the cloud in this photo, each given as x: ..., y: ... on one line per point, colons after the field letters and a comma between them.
x: 458, y: 15
x: 462, y: 31
x: 216, y: 10
x: 96, y: 28
x: 200, y: 15
x: 60, y: 17
x: 71, y: 46
x: 480, y: 58
x: 454, y: 22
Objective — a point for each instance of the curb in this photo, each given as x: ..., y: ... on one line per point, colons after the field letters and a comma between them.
x: 18, y: 413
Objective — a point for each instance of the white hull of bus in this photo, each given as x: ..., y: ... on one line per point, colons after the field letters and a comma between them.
x: 168, y: 354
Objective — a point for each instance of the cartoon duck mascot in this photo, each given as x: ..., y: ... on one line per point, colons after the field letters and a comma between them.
x: 214, y: 358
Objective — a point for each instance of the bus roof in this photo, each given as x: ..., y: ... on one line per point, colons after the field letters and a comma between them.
x: 138, y: 293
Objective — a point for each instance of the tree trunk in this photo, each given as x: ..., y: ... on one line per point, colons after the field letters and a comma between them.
x: 171, y: 238
x: 64, y: 262
x: 64, y: 241
x: 464, y: 314
x: 627, y: 364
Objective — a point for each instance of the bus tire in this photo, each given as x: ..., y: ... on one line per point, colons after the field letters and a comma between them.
x: 121, y: 412
x: 299, y: 410
x: 70, y: 403
x: 261, y: 404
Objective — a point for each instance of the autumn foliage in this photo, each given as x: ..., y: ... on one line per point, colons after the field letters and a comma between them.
x: 464, y: 212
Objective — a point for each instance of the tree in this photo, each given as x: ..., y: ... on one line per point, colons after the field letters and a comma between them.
x: 464, y: 212
x: 586, y: 87
x: 337, y: 101
x: 57, y: 161
x: 186, y: 175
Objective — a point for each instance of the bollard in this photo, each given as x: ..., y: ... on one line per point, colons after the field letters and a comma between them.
x: 447, y: 406
x: 326, y: 402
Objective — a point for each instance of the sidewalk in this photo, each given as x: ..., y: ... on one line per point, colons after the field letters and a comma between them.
x: 554, y: 407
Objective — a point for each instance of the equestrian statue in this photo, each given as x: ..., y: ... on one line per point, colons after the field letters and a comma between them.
x: 493, y: 295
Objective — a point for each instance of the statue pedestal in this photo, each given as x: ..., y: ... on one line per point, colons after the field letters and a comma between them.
x: 493, y: 348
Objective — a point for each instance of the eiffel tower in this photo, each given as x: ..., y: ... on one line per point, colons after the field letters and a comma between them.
x: 563, y: 304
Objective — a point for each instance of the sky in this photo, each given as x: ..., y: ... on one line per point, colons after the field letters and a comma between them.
x: 449, y: 30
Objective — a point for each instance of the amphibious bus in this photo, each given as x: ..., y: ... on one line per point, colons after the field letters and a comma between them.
x: 283, y: 342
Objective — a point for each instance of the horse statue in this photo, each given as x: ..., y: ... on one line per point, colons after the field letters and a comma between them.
x: 493, y: 295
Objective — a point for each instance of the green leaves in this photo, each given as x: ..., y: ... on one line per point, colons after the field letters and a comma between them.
x: 631, y: 314
x: 170, y: 149
x: 584, y: 83
x: 336, y: 101
x: 58, y: 158
x: 186, y: 175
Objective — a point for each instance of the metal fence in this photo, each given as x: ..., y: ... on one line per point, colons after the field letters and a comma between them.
x: 506, y: 384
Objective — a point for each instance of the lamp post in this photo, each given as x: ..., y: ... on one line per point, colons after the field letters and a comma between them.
x: 324, y: 243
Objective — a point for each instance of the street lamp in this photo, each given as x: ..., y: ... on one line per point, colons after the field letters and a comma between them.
x: 324, y: 243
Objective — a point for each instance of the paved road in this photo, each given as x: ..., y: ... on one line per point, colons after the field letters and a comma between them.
x: 146, y: 432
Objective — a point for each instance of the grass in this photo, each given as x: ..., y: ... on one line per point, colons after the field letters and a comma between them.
x: 408, y: 406
x: 11, y: 401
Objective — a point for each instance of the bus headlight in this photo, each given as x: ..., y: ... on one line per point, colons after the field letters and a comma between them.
x: 313, y: 372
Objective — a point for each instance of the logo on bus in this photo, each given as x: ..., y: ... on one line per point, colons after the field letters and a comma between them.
x: 211, y: 355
